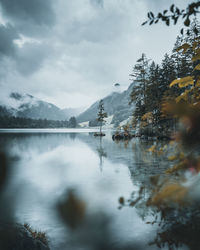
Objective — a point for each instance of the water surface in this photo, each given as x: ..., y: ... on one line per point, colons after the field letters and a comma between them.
x: 45, y: 164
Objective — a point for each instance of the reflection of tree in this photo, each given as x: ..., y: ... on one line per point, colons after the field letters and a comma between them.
x: 101, y: 152
x: 72, y: 135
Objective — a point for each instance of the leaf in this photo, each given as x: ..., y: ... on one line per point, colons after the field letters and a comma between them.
x: 181, y: 31
x: 170, y: 193
x: 185, y: 47
x: 151, y: 14
x: 176, y: 19
x: 196, y: 57
x: 172, y: 157
x: 186, y: 81
x: 183, y: 96
x: 151, y: 22
x: 172, y: 8
x: 174, y: 82
x: 177, y: 11
x: 183, y: 82
x: 187, y: 22
x: 197, y: 67
x: 121, y: 200
x: 144, y: 23
x: 152, y: 148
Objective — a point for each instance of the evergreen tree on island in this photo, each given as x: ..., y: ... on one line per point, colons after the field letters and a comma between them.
x: 101, y: 115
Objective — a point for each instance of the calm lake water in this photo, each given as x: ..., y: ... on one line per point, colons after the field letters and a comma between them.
x: 45, y: 164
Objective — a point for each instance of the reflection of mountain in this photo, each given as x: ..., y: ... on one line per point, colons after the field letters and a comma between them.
x: 39, y: 142
x: 133, y: 154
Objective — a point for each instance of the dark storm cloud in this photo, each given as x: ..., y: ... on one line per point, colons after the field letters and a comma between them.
x: 37, y: 11
x: 30, y: 19
x: 77, y: 44
x: 7, y: 35
x: 30, y: 57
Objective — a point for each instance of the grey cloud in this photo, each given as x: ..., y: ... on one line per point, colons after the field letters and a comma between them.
x: 155, y: 5
x: 26, y: 59
x: 38, y: 11
x: 30, y: 57
x: 30, y: 18
x: 79, y: 45
x: 7, y: 35
x: 98, y: 3
x: 93, y: 24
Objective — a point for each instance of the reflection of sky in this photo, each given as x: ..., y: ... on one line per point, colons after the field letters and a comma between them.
x: 52, y: 163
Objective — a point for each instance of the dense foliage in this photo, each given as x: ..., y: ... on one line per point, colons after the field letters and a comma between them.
x: 173, y: 88
x: 151, y: 85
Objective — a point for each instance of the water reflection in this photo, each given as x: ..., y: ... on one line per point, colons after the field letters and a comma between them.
x: 46, y: 166
x: 101, y: 152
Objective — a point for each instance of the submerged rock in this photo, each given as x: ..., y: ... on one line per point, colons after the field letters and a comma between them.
x: 99, y: 134
x: 122, y: 136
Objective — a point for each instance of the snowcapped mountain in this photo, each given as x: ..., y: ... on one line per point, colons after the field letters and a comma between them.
x: 28, y: 106
x: 115, y: 104
x: 24, y: 105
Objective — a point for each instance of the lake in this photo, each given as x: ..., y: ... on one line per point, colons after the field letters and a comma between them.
x: 45, y: 164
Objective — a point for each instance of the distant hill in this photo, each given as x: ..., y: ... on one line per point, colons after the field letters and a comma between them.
x: 28, y: 106
x: 116, y: 104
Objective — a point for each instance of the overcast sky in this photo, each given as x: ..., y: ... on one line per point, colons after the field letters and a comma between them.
x: 72, y: 52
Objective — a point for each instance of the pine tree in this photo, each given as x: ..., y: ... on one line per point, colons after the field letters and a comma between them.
x: 182, y: 60
x: 153, y: 93
x: 101, y: 115
x: 140, y: 78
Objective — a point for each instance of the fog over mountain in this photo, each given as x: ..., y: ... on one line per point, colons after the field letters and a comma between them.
x: 116, y: 104
x: 71, y: 53
x: 28, y: 106
x: 24, y: 105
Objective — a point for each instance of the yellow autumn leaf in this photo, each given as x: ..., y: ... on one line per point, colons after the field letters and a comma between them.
x: 196, y: 57
x: 174, y: 82
x: 197, y: 67
x: 172, y: 157
x: 182, y: 156
x: 147, y: 116
x: 171, y: 193
x: 185, y: 81
x: 183, y: 96
x: 197, y: 83
x: 194, y: 45
x: 178, y: 99
x: 182, y: 82
x: 152, y: 148
x: 183, y: 47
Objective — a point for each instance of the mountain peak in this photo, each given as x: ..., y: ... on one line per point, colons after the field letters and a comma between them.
x: 116, y: 104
